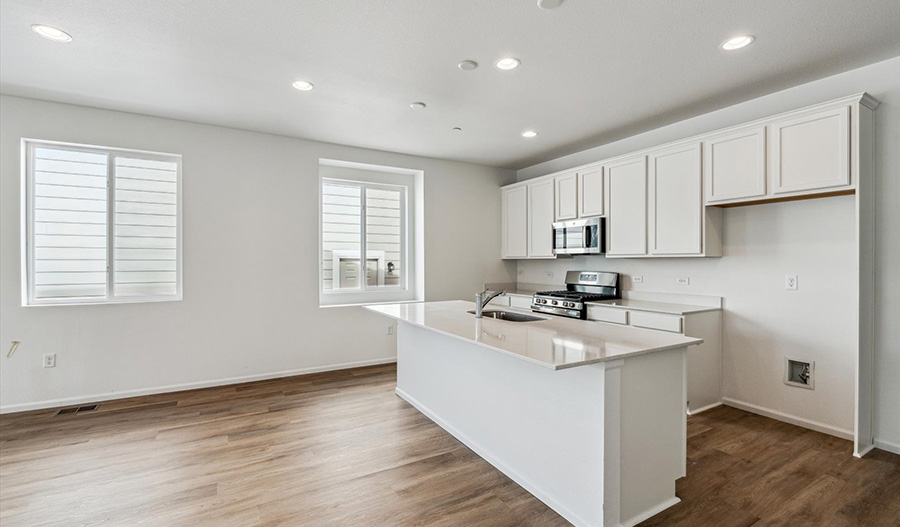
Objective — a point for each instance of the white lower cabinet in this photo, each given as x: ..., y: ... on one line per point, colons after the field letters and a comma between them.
x: 704, y: 368
x: 520, y: 301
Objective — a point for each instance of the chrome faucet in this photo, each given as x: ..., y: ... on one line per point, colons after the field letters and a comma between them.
x: 482, y: 299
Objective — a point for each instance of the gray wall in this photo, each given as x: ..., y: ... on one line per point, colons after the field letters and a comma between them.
x: 765, y: 242
x: 250, y: 303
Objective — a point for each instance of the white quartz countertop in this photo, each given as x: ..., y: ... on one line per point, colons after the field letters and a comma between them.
x: 655, y: 307
x: 553, y: 342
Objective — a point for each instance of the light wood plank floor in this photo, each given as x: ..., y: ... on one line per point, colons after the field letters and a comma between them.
x: 340, y: 449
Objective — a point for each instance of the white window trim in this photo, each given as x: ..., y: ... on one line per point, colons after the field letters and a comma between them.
x: 27, y: 225
x: 412, y: 286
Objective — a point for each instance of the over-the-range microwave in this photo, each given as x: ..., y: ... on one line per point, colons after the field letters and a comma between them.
x: 584, y: 236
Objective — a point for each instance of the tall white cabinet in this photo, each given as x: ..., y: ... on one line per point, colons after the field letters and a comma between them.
x: 514, y: 219
x: 675, y: 201
x: 540, y: 219
x: 626, y: 222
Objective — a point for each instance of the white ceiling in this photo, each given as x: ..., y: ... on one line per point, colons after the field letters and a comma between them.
x: 592, y: 70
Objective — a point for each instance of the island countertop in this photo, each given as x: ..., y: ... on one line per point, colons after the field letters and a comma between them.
x: 552, y: 342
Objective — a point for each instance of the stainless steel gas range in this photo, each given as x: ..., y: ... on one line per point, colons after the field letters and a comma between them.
x: 581, y: 287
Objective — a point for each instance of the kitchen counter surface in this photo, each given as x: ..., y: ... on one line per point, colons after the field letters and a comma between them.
x: 655, y: 307
x: 552, y: 342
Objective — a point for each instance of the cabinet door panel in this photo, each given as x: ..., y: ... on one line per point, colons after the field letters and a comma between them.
x: 676, y: 203
x: 626, y: 210
x: 811, y: 152
x: 515, y: 222
x: 735, y: 165
x: 540, y: 219
x: 590, y: 192
x: 566, y: 197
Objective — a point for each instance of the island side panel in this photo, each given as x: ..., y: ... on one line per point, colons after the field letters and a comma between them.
x: 653, y: 432
x: 542, y: 428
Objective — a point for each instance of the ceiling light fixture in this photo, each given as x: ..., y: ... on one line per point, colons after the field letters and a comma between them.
x: 51, y: 33
x: 508, y: 63
x: 737, y: 42
x: 529, y: 134
x: 549, y: 4
x: 467, y: 65
x: 417, y: 106
x: 303, y: 85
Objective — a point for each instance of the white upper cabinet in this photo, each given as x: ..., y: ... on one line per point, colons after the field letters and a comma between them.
x: 668, y: 201
x: 626, y: 210
x: 811, y: 151
x: 590, y: 192
x: 735, y: 165
x: 675, y: 206
x: 540, y: 219
x: 514, y: 216
x: 566, y: 196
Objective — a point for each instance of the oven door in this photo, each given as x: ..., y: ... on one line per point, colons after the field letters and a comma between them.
x: 585, y: 236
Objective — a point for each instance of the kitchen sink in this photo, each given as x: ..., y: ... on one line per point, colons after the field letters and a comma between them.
x: 508, y: 315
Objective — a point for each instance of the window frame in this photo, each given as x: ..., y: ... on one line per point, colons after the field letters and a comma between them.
x: 28, y: 234
x: 381, y: 178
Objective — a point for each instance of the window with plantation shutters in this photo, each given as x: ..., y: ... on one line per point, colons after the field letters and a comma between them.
x: 101, y: 225
x: 365, y: 244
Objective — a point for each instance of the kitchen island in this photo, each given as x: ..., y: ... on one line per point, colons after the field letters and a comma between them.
x: 589, y: 417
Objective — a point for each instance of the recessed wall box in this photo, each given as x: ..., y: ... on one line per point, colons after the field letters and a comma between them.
x: 799, y: 373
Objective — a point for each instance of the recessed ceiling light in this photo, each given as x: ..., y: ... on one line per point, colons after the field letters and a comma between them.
x: 508, y: 63
x: 467, y: 65
x: 457, y: 129
x: 417, y: 105
x: 302, y: 85
x: 737, y: 42
x: 51, y: 33
x: 549, y: 4
x: 529, y: 133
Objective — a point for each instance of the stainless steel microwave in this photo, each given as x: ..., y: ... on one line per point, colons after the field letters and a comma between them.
x: 584, y: 236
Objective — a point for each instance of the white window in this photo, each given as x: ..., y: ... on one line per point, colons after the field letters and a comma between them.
x: 366, y: 235
x: 100, y: 225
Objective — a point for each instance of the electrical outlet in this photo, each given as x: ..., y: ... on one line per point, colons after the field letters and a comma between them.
x: 790, y: 282
x: 683, y: 281
x: 50, y: 360
x: 390, y: 329
x: 549, y: 274
x: 637, y: 279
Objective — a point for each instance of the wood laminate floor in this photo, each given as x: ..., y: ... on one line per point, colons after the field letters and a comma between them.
x: 340, y: 449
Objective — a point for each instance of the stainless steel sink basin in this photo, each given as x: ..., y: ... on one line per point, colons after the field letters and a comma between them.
x: 507, y: 315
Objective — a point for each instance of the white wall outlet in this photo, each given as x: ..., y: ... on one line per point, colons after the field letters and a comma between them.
x: 549, y: 274
x: 390, y: 329
x: 790, y: 282
x: 637, y: 279
x: 683, y: 281
x: 50, y: 360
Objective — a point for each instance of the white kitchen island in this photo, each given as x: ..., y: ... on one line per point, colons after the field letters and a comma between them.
x: 589, y: 417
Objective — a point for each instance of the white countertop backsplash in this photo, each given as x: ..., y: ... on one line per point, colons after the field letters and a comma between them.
x: 553, y: 342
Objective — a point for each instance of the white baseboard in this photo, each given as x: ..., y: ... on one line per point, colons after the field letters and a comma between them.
x: 888, y: 446
x: 649, y: 513
x: 787, y: 418
x: 705, y: 408
x: 530, y: 486
x: 81, y: 399
x: 865, y: 450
